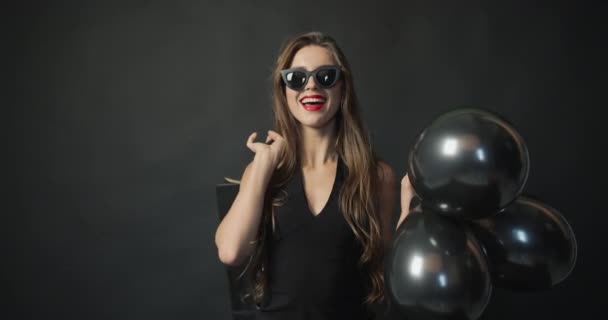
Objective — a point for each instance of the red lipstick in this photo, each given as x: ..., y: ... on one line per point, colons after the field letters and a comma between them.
x: 313, y: 102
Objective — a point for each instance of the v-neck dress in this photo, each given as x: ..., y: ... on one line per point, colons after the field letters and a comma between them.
x: 313, y: 266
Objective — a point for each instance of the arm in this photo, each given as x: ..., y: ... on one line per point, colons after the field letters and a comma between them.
x: 238, y: 229
x: 387, y: 197
x: 407, y: 193
x: 388, y: 193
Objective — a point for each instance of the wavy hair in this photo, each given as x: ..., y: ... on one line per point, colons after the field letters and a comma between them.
x: 358, y: 197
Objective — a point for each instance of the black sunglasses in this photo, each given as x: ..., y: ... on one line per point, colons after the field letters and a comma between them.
x: 325, y: 76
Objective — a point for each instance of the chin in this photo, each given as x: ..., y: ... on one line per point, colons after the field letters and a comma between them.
x: 314, y: 123
x: 315, y: 120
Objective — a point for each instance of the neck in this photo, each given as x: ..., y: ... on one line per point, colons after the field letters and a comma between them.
x: 318, y: 145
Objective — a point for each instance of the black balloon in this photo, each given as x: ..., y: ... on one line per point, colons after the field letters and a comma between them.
x: 436, y: 270
x: 468, y: 163
x: 530, y: 245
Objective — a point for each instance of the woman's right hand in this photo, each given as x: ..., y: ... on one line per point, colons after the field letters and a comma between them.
x: 269, y: 152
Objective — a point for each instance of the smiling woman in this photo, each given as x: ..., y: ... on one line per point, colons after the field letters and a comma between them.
x: 313, y: 214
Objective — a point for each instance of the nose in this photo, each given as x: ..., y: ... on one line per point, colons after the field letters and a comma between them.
x: 311, y: 83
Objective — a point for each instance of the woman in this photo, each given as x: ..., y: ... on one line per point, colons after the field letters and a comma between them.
x: 314, y: 209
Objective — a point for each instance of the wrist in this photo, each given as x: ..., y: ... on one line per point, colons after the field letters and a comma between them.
x: 262, y: 160
x: 262, y: 168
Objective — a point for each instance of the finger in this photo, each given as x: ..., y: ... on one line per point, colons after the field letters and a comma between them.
x: 251, y: 147
x: 274, y: 135
x: 252, y: 137
x: 250, y: 143
x: 268, y: 139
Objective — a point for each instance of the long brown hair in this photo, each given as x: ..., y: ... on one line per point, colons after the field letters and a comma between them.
x: 358, y: 198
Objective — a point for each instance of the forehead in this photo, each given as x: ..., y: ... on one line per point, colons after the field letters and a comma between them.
x: 311, y: 57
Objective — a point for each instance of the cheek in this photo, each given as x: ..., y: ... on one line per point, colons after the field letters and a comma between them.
x: 336, y: 96
x: 290, y: 95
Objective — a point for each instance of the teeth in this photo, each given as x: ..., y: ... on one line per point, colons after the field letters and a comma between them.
x: 313, y: 100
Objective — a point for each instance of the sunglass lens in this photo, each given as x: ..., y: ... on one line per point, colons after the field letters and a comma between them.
x: 296, y: 79
x: 326, y: 77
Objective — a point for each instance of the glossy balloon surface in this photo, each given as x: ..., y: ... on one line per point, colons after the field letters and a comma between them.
x: 468, y: 163
x: 530, y: 245
x: 436, y: 270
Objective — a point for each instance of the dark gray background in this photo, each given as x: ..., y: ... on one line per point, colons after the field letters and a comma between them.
x: 127, y: 115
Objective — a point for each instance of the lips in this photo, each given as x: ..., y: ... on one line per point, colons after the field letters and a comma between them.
x: 313, y: 102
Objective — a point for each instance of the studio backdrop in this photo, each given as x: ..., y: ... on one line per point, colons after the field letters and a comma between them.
x: 127, y: 114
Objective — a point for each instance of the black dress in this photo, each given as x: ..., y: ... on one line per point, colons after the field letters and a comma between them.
x: 313, y: 271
